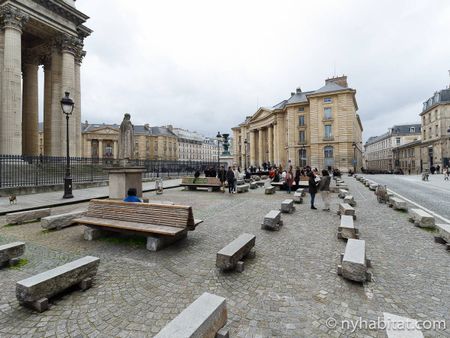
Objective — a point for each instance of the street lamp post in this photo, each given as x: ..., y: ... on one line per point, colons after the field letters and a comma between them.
x: 67, y: 105
x: 354, y: 157
x: 219, y: 138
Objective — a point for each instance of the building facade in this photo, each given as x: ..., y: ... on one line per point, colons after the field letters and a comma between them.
x: 435, y: 116
x: 407, y: 158
x: 320, y: 128
x: 193, y: 146
x: 379, y: 155
x: 34, y: 34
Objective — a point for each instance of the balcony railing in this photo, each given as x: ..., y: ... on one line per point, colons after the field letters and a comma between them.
x: 328, y: 138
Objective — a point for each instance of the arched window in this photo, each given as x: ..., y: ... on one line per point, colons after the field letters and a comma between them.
x: 328, y: 156
x: 302, y: 157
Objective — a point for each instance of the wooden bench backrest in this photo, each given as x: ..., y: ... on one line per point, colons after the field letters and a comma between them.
x: 179, y: 216
x: 201, y: 180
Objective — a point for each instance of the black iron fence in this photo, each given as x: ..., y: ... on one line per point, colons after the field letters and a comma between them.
x: 25, y: 171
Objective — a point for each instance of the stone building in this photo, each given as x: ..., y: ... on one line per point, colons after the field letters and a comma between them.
x: 407, y: 158
x: 379, y: 149
x: 193, y: 146
x: 435, y: 115
x: 40, y: 33
x: 320, y: 128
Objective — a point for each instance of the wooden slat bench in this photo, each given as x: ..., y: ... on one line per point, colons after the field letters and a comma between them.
x: 354, y: 263
x: 10, y: 253
x: 397, y: 203
x: 421, y: 218
x: 205, y: 317
x: 192, y: 183
x: 229, y: 257
x: 36, y: 290
x: 26, y: 216
x: 162, y: 224
x: 347, y: 229
x: 443, y: 236
x: 346, y: 209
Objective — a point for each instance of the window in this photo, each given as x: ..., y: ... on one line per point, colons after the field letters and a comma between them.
x: 301, y: 136
x: 301, y: 120
x: 328, y: 131
x: 397, y: 141
x: 301, y: 109
x: 412, y: 130
x: 437, y: 130
x: 430, y: 133
x: 327, y: 100
x: 303, y: 159
x: 327, y: 113
x: 328, y: 156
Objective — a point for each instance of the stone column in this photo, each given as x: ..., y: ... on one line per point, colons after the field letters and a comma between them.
x: 48, y: 106
x: 100, y: 148
x: 281, y: 135
x: 88, y: 149
x: 30, y: 107
x: 276, y: 158
x: 260, y: 147
x: 77, y: 98
x: 252, y: 148
x: 13, y: 21
x: 270, y: 143
x: 56, y: 143
x: 116, y: 149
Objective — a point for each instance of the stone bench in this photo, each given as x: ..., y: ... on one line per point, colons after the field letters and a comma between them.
x: 354, y: 263
x: 301, y: 191
x: 278, y: 185
x: 373, y: 186
x: 242, y: 188
x: 397, y: 203
x: 298, y: 197
x: 36, y: 290
x: 60, y: 221
x: 205, y: 317
x: 350, y: 200
x: 272, y: 221
x: 421, y: 218
x: 269, y: 190
x: 287, y: 206
x: 230, y: 257
x: 443, y: 236
x: 347, y: 229
x: 367, y: 183
x: 10, y: 253
x: 253, y: 185
x: 342, y: 193
x: 26, y: 216
x: 346, y: 209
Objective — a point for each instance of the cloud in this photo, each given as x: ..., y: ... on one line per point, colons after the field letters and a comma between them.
x: 205, y: 65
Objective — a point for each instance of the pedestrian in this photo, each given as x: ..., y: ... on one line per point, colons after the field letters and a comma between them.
x: 324, y: 188
x: 312, y: 188
x: 289, y: 179
x: 446, y: 173
x: 196, y: 175
x: 438, y: 167
x: 222, y: 175
x: 230, y: 179
x: 236, y: 177
x: 131, y: 196
x: 297, y: 177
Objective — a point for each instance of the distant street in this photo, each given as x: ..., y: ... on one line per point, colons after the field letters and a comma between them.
x: 433, y: 195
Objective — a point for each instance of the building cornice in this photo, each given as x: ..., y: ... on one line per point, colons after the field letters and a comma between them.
x: 434, y: 106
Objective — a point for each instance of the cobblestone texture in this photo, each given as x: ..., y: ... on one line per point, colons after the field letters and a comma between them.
x: 289, y: 289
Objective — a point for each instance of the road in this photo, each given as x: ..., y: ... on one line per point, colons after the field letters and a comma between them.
x: 433, y: 195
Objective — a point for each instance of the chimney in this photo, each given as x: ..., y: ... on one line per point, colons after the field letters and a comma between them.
x: 298, y: 90
x: 340, y: 80
x: 146, y: 126
x: 170, y: 127
x: 292, y: 93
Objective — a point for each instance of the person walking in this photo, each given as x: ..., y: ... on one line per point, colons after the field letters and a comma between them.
x: 324, y: 188
x: 312, y: 188
x: 236, y: 177
x: 297, y: 177
x: 446, y: 173
x: 230, y: 180
x: 289, y: 179
x: 222, y: 176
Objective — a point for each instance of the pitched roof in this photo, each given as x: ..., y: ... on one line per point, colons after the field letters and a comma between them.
x: 330, y: 87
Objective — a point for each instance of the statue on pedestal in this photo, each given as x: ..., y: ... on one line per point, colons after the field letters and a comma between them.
x: 126, y: 139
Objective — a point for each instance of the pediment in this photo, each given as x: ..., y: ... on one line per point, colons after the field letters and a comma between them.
x: 104, y: 130
x: 261, y: 114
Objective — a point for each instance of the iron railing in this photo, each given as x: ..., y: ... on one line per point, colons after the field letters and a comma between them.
x: 26, y: 171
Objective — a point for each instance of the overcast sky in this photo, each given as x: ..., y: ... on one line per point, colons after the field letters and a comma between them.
x: 205, y: 65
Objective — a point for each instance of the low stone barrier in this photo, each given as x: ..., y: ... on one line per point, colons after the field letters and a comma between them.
x: 253, y: 185
x: 346, y: 209
x: 421, y: 218
x: 350, y: 200
x: 287, y: 206
x: 298, y: 198
x: 342, y: 193
x: 269, y: 190
x: 26, y: 216
x: 60, y: 221
x: 397, y: 203
x: 205, y: 317
x: 373, y: 186
x: 242, y: 188
x: 10, y: 253
x: 229, y: 257
x: 301, y: 191
x: 272, y: 221
x: 36, y: 290
x: 443, y: 236
x: 347, y: 229
x: 354, y: 263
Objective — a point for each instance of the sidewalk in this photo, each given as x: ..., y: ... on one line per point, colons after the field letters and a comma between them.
x: 52, y: 199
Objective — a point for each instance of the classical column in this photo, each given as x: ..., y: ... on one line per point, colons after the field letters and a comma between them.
x: 77, y: 95
x: 48, y: 106
x: 116, y: 149
x: 252, y: 148
x: 56, y: 144
x: 30, y: 107
x: 276, y: 159
x: 88, y: 149
x: 270, y: 143
x: 13, y: 21
x: 281, y: 135
x: 100, y: 148
x: 260, y: 147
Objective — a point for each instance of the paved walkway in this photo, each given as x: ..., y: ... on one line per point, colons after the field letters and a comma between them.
x: 52, y: 199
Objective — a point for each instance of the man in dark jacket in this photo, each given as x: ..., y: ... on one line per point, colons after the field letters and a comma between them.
x: 230, y: 180
x: 312, y: 188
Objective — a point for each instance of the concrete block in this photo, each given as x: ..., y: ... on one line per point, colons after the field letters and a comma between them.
x: 269, y: 190
x: 230, y: 255
x: 397, y: 203
x: 421, y: 218
x: 155, y: 243
x: 272, y: 221
x: 346, y: 209
x: 287, y: 206
x: 354, y: 264
x: 11, y: 251
x: 26, y: 216
x: 350, y: 200
x: 60, y: 221
x: 242, y: 188
x: 240, y: 266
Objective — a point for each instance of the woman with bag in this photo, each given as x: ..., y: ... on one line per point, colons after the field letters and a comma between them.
x: 324, y: 188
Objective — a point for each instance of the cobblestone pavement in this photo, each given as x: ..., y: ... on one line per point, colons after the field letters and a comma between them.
x: 54, y: 198
x: 433, y: 194
x: 289, y: 289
